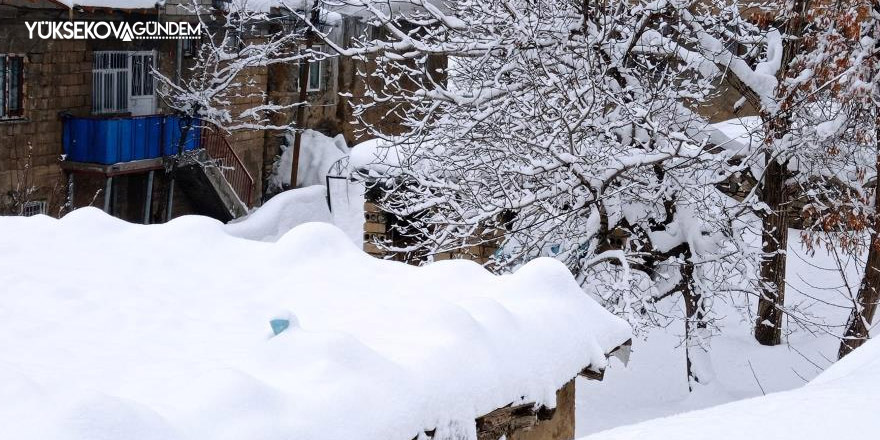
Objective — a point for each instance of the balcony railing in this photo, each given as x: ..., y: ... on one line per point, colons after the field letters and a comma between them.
x: 226, y: 159
x: 112, y: 140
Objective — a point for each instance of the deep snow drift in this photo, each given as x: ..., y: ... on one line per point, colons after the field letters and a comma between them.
x: 654, y: 383
x: 113, y: 330
x: 840, y: 403
x: 317, y: 155
x: 282, y: 213
x: 322, y: 156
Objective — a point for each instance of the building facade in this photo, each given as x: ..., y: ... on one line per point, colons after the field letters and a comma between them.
x: 82, y: 124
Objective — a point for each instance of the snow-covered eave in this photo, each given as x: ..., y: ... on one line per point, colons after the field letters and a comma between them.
x: 532, y: 413
x: 621, y: 352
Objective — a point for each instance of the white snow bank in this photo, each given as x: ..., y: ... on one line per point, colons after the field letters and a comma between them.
x: 745, y: 132
x: 317, y: 155
x: 839, y: 403
x: 282, y: 213
x: 113, y: 330
x: 375, y: 157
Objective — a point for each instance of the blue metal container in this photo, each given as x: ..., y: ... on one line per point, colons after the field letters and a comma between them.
x: 172, y: 132
x: 113, y: 140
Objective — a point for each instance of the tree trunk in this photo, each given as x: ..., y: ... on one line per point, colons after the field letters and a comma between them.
x: 862, y: 315
x: 768, y: 328
x: 869, y: 290
x: 694, y: 323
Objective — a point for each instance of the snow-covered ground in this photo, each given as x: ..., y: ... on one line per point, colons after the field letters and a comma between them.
x: 840, y: 403
x: 654, y: 383
x: 185, y: 330
x: 320, y: 156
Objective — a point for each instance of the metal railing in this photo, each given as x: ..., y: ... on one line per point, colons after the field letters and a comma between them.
x: 218, y: 149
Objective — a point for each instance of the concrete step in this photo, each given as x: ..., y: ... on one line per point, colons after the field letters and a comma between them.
x: 203, y: 182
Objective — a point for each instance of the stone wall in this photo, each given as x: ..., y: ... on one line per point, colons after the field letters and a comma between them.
x: 57, y: 77
x: 379, y: 226
x: 524, y: 422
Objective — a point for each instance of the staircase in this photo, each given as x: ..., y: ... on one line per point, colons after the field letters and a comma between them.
x: 214, y: 177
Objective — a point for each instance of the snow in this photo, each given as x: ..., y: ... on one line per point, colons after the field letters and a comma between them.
x: 375, y: 157
x: 347, y: 200
x: 744, y: 132
x: 317, y: 155
x: 327, y: 17
x: 841, y: 403
x: 282, y: 213
x: 654, y: 384
x: 112, y: 330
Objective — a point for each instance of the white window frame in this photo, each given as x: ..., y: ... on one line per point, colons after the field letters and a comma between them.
x: 5, y: 86
x: 318, y: 66
x: 139, y: 70
x: 113, y: 67
x: 118, y: 67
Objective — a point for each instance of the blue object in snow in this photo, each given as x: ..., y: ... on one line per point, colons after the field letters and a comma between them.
x: 279, y: 325
x: 554, y: 248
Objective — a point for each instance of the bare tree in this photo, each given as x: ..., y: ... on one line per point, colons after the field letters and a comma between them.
x: 558, y: 129
x: 237, y: 40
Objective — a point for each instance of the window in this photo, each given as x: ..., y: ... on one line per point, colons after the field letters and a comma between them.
x: 11, y: 86
x: 122, y: 82
x: 110, y: 82
x: 187, y: 47
x: 141, y: 74
x: 33, y: 208
x: 316, y: 71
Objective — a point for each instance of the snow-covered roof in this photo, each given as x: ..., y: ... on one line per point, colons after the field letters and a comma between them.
x: 376, y: 157
x: 113, y: 330
x: 840, y: 403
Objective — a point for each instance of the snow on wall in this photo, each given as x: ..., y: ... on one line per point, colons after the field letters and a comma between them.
x: 282, y: 213
x: 376, y: 156
x: 840, y: 403
x: 317, y: 155
x: 111, y: 330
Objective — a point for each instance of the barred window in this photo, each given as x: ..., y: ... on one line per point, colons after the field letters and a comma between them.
x: 33, y: 208
x: 141, y: 74
x: 110, y: 82
x: 11, y: 86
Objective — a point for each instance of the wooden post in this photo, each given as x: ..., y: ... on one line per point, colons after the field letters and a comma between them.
x: 148, y: 199
x: 169, y: 205
x: 303, y: 94
x: 70, y: 194
x: 108, y: 190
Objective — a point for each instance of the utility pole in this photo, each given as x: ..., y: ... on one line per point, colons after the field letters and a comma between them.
x: 315, y: 16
